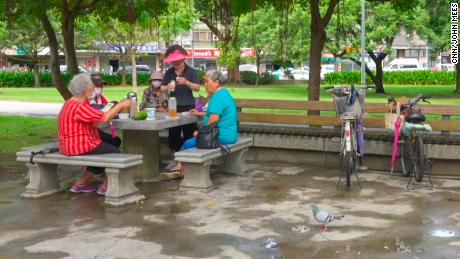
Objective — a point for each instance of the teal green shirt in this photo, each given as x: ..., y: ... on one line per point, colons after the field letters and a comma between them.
x: 222, y: 103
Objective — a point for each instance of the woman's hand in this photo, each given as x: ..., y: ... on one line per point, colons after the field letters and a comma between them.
x: 182, y: 81
x: 195, y: 133
x: 161, y: 109
x: 194, y: 112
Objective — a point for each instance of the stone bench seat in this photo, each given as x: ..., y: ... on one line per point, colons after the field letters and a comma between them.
x: 197, y: 163
x: 119, y: 168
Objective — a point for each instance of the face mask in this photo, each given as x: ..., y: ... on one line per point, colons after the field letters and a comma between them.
x: 98, y: 91
x: 156, y: 83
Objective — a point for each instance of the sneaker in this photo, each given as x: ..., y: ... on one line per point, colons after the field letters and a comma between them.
x: 78, y: 188
x: 101, y: 190
x: 170, y: 176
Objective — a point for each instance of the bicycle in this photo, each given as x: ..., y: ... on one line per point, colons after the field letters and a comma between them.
x: 349, y: 105
x: 412, y: 154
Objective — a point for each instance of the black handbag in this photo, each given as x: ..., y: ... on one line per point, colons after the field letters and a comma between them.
x: 207, y: 138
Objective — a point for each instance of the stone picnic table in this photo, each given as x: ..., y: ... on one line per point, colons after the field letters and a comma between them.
x: 142, y: 137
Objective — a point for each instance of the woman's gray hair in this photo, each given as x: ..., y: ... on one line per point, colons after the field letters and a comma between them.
x: 80, y: 83
x: 215, y: 75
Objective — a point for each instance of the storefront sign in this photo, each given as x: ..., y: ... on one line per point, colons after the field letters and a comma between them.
x: 215, y: 53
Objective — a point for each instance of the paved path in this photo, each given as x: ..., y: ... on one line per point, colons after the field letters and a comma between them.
x: 29, y: 108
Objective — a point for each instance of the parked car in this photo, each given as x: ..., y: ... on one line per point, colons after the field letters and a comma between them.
x: 403, y: 64
x: 63, y: 68
x: 445, y: 67
x: 326, y: 69
x: 300, y: 74
x: 140, y: 69
x: 248, y: 67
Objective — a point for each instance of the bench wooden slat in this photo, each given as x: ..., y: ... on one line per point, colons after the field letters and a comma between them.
x: 427, y: 109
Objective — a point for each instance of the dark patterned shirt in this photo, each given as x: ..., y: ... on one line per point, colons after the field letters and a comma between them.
x: 151, y: 99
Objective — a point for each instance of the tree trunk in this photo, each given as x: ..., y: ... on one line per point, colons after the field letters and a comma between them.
x: 379, y: 78
x: 68, y: 33
x: 457, y: 80
x: 54, y: 58
x: 37, y: 82
x: 133, y: 69
x: 258, y: 67
x: 123, y: 69
x: 318, y: 38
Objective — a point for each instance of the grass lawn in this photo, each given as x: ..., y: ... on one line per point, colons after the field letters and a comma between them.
x: 440, y: 94
x: 20, y: 131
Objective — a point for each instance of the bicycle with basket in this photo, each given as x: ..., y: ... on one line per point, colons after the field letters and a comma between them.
x: 349, y: 106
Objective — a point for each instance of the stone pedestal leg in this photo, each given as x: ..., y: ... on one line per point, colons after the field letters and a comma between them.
x: 121, y: 189
x: 235, y: 163
x: 43, y: 180
x: 196, y: 175
x: 146, y: 143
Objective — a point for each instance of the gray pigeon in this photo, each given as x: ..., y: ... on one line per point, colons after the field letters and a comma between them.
x: 323, y: 217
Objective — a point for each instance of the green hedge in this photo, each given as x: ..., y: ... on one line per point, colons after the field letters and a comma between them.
x: 26, y: 79
x: 423, y: 77
x: 249, y: 77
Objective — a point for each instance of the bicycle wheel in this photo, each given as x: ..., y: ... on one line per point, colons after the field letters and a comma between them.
x: 419, y: 159
x: 347, y: 163
x: 406, y: 154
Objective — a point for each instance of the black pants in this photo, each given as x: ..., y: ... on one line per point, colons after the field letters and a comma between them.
x: 103, y: 148
x: 178, y: 135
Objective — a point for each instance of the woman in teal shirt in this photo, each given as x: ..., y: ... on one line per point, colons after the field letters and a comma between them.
x: 221, y: 110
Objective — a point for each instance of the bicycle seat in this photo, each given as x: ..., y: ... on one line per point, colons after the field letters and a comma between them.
x: 416, y: 117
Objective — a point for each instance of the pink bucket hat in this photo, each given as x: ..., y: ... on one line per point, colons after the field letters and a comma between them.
x: 175, y: 56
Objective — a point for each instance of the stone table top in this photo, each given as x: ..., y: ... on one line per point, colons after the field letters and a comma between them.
x: 161, y: 122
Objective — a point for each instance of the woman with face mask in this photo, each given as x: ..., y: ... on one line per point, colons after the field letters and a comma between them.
x: 153, y: 97
x: 97, y: 100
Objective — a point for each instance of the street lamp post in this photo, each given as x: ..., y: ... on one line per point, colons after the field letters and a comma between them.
x: 363, y: 42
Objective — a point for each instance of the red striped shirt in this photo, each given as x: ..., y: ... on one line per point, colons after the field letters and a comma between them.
x: 77, y: 132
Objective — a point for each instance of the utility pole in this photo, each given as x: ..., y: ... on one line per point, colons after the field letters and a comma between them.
x: 363, y: 42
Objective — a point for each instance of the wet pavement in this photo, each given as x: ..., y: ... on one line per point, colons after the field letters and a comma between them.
x: 266, y: 214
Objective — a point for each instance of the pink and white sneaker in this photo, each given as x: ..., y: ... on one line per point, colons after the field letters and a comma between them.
x: 79, y: 188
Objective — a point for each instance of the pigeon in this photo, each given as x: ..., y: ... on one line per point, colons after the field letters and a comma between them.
x: 323, y: 217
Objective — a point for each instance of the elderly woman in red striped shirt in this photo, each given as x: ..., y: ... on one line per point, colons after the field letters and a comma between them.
x: 77, y: 130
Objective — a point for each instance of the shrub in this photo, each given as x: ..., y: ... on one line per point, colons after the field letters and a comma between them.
x: 200, y: 74
x: 422, y: 77
x: 248, y: 77
x: 26, y: 79
x: 266, y: 78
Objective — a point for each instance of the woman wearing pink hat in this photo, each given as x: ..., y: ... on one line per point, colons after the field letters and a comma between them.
x: 180, y: 80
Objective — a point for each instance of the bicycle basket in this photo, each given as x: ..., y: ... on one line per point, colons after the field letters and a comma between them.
x: 341, y: 106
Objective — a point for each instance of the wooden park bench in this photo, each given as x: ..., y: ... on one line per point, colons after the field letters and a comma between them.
x: 295, y: 113
x: 120, y: 169
x: 197, y: 163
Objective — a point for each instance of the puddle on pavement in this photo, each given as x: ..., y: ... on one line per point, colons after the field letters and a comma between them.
x: 444, y: 233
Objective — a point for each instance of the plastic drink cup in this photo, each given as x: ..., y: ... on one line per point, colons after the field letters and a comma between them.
x: 172, y: 113
x: 150, y: 113
x: 172, y: 107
